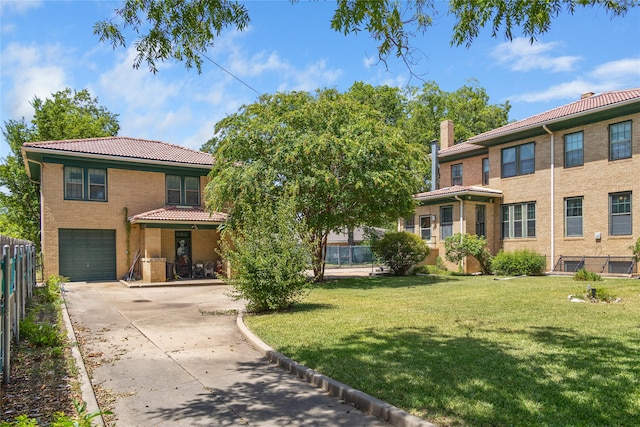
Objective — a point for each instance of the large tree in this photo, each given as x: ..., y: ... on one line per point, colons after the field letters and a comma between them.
x: 185, y: 29
x: 67, y: 115
x: 334, y: 153
x: 468, y: 107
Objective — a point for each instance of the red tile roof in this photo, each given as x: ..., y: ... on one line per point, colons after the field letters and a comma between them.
x: 458, y: 190
x: 126, y: 148
x: 178, y: 214
x: 594, y: 102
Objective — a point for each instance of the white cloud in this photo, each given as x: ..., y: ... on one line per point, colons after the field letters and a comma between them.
x: 620, y: 74
x: 521, y: 55
x: 19, y: 6
x: 30, y: 71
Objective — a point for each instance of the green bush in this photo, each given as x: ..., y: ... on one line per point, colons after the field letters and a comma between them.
x: 519, y: 263
x: 268, y: 258
x: 459, y: 246
x: 400, y: 251
x: 586, y: 276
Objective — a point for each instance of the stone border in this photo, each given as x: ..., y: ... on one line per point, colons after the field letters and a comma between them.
x: 376, y: 407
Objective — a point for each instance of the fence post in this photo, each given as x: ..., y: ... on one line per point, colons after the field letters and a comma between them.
x: 6, y: 321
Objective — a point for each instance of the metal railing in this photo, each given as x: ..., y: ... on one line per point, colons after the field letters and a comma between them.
x: 598, y: 264
x: 18, y: 267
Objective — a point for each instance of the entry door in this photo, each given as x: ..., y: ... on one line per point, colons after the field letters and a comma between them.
x: 183, y: 253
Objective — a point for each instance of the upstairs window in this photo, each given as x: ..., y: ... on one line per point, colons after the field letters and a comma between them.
x: 485, y: 171
x: 183, y: 190
x: 85, y: 184
x: 573, y: 150
x: 456, y: 174
x: 518, y: 160
x: 620, y: 214
x: 620, y: 140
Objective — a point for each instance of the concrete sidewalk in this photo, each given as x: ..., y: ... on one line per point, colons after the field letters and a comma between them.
x: 174, y: 357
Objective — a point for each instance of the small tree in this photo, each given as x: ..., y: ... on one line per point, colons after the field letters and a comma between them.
x: 459, y: 246
x: 635, y: 250
x: 268, y: 258
x: 400, y: 251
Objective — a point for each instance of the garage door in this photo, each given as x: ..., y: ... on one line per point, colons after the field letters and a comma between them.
x: 87, y: 255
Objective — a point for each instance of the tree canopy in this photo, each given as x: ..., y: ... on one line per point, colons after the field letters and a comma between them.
x: 67, y: 115
x: 184, y: 30
x: 334, y: 153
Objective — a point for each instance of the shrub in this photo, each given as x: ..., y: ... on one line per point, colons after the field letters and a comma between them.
x: 586, y: 276
x: 459, y: 246
x: 519, y: 263
x: 268, y: 258
x: 400, y: 251
x: 635, y: 250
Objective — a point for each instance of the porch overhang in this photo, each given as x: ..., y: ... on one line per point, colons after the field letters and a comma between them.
x: 457, y: 193
x: 179, y: 217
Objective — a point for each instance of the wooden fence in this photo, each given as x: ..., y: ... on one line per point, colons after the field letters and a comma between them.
x: 18, y: 281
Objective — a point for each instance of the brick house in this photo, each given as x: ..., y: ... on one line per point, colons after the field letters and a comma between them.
x: 561, y: 183
x: 106, y: 202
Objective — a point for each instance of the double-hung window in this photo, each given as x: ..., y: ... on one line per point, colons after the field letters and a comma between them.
x: 485, y: 171
x: 425, y: 227
x: 620, y: 214
x: 456, y: 174
x: 481, y: 221
x: 85, y: 183
x: 573, y: 217
x: 410, y: 225
x: 518, y: 160
x: 183, y: 190
x: 620, y: 140
x: 518, y: 220
x: 573, y: 150
x: 446, y: 221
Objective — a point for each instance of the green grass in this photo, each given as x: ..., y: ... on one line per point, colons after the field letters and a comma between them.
x: 472, y: 350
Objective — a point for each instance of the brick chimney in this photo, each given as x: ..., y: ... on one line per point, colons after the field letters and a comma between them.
x: 446, y: 134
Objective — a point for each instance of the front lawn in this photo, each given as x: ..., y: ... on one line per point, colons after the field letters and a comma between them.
x: 473, y: 350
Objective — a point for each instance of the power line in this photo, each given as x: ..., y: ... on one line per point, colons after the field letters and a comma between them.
x: 228, y: 72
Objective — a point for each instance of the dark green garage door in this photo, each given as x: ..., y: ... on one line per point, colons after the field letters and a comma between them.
x: 87, y: 255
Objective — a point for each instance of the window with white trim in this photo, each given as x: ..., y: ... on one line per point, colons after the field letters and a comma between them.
x: 620, y: 214
x: 518, y: 220
x: 573, y: 149
x: 573, y: 217
x: 456, y: 174
x: 620, y: 140
x: 183, y: 190
x: 85, y: 184
x: 410, y: 225
x: 518, y: 160
x: 446, y: 222
x: 425, y: 227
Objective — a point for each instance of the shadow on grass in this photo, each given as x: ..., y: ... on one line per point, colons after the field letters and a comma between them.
x: 574, y: 379
x: 384, y: 282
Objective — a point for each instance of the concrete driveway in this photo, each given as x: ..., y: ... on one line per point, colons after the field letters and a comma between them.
x: 173, y: 356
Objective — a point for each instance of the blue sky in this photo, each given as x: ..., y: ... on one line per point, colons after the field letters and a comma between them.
x: 47, y: 46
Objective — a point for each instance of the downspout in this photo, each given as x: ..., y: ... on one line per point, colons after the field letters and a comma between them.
x: 461, y: 223
x: 552, y: 195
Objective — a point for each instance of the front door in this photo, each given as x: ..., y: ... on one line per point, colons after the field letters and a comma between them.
x: 183, y: 253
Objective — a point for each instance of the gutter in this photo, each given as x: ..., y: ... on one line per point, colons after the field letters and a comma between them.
x: 552, y: 194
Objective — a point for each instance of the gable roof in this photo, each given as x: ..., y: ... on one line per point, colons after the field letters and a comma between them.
x: 124, y: 148
x: 591, y: 108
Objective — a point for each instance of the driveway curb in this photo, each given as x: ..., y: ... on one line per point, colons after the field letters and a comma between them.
x: 376, y: 407
x: 86, y: 388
